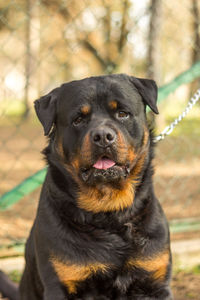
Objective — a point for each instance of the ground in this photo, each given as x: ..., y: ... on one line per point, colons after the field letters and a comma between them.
x: 186, y: 286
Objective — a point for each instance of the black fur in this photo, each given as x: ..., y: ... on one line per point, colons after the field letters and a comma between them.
x: 121, y: 252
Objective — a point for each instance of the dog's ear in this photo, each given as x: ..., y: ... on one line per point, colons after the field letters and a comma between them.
x: 148, y: 90
x: 45, y: 108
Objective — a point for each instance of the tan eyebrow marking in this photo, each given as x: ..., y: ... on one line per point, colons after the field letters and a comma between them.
x: 113, y: 104
x: 85, y: 109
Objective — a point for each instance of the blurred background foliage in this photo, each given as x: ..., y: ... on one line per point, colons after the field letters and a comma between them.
x: 44, y: 43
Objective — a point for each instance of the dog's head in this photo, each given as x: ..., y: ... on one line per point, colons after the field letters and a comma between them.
x: 100, y: 126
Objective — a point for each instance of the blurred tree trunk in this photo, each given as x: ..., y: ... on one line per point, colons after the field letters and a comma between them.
x: 195, y: 55
x: 153, y: 48
x: 110, y: 61
x: 32, y: 52
x: 153, y: 65
x: 27, y: 59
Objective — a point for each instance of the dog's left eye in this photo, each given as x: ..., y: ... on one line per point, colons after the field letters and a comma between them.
x: 122, y: 115
x: 77, y: 121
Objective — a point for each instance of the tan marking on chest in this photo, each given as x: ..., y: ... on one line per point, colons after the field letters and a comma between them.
x: 71, y: 274
x: 157, y: 264
x: 109, y: 199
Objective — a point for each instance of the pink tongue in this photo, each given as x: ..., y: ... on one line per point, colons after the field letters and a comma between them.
x: 104, y: 163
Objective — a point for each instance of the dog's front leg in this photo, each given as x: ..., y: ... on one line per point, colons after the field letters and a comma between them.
x: 53, y: 289
x: 54, y: 293
x: 153, y: 298
x: 164, y: 294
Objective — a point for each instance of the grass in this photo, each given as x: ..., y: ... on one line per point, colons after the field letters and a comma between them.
x: 15, y: 275
x: 195, y: 270
x: 12, y: 107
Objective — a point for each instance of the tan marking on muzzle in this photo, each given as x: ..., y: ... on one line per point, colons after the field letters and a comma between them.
x: 86, y: 150
x: 131, y: 155
x: 83, y: 155
x: 122, y: 148
x: 141, y: 156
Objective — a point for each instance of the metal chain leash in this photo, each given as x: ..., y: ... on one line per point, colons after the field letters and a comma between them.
x: 168, y: 130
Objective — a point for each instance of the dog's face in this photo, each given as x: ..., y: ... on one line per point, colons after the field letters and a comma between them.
x: 100, y: 125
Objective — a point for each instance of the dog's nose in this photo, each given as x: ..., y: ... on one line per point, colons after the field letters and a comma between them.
x: 103, y: 136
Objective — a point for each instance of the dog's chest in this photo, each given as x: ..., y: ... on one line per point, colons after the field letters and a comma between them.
x: 112, y: 256
x: 73, y: 275
x: 103, y: 256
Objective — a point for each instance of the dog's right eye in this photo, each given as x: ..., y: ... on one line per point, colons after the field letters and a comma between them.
x: 77, y: 121
x: 122, y: 115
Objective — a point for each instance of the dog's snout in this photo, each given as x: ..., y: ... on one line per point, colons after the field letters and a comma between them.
x: 103, y: 136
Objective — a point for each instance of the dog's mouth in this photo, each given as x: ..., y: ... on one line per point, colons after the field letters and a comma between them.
x: 104, y: 170
x: 104, y: 163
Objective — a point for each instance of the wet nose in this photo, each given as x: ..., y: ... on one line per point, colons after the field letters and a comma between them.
x: 103, y: 136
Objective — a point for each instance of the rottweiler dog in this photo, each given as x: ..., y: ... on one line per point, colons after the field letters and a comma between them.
x: 100, y: 232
